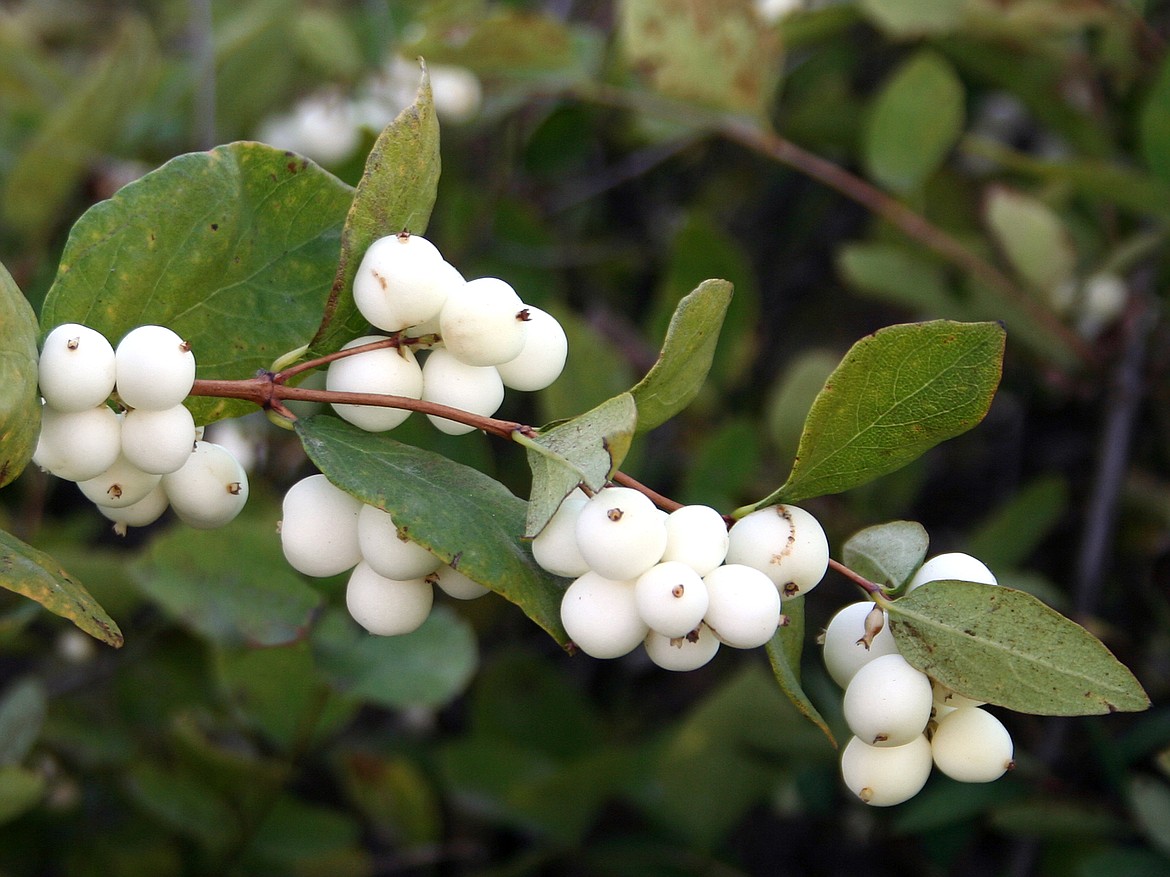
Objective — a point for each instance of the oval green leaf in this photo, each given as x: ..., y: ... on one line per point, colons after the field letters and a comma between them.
x: 887, y: 554
x: 914, y: 122
x: 682, y: 366
x: 20, y: 406
x: 428, y: 667
x: 1032, y: 236
x: 22, y: 713
x: 396, y: 193
x: 896, y: 394
x: 784, y: 650
x: 469, y: 520
x: 585, y: 449
x: 1005, y: 647
x: 246, y: 596
x: 235, y: 249
x: 34, y: 574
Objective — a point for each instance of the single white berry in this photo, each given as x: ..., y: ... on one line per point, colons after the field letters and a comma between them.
x: 402, y: 281
x: 484, y: 322
x: 953, y: 566
x: 542, y: 359
x: 120, y: 485
x: 683, y: 653
x: 210, y: 489
x: 387, y: 607
x: 319, y: 527
x: 158, y: 441
x: 743, y: 605
x: 388, y: 551
x: 784, y: 542
x: 555, y: 547
x: 883, y: 776
x: 76, y: 368
x: 455, y: 584
x: 888, y: 702
x: 155, y: 368
x: 972, y: 746
x: 138, y: 514
x: 78, y: 445
x: 697, y: 536
x: 620, y: 533
x: 671, y: 598
x: 450, y: 381
x: 389, y: 371
x: 844, y: 648
x: 601, y: 617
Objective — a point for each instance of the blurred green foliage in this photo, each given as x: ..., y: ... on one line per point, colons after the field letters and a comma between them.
x: 986, y: 160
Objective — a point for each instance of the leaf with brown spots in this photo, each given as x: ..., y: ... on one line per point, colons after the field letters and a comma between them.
x: 34, y: 574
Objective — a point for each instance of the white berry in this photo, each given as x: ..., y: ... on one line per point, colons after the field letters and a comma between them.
x: 743, y: 607
x: 671, y: 598
x: 387, y: 607
x: 484, y: 322
x: 78, y: 445
x: 888, y: 702
x: 319, y: 527
x: 555, y: 547
x: 620, y: 533
x: 955, y: 565
x: 388, y: 552
x: 455, y: 584
x: 138, y: 514
x: 76, y: 368
x: 390, y: 371
x: 844, y: 650
x: 971, y: 745
x: 158, y: 441
x: 402, y: 281
x: 601, y: 617
x: 697, y: 536
x: 784, y: 542
x: 210, y: 488
x: 155, y: 368
x: 120, y: 485
x: 883, y: 776
x: 683, y: 653
x: 945, y: 698
x: 450, y: 381
x: 542, y: 359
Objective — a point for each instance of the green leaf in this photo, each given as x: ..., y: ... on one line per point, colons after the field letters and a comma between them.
x: 1017, y: 527
x: 896, y: 394
x: 1154, y: 125
x: 246, y: 596
x: 914, y: 122
x: 887, y: 554
x: 715, y: 54
x: 901, y: 276
x: 1149, y: 799
x: 685, y: 358
x: 34, y: 574
x: 912, y: 18
x: 396, y: 193
x: 20, y: 790
x: 234, y: 249
x: 459, y: 514
x: 183, y: 803
x: 83, y: 124
x: 586, y: 449
x: 1005, y: 647
x: 22, y: 713
x: 1032, y: 237
x: 428, y: 667
x: 784, y: 650
x: 20, y: 405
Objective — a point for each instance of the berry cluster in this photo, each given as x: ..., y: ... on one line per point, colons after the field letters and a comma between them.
x: 902, y: 721
x: 678, y: 584
x: 135, y: 461
x: 481, y: 338
x: 325, y: 531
